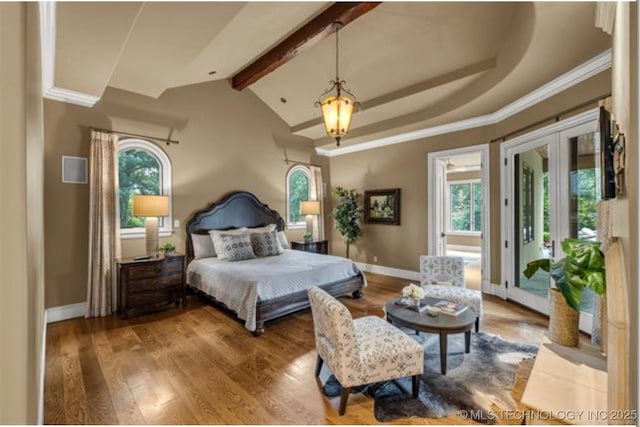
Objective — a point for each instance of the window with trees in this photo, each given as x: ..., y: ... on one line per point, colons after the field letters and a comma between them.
x: 465, y: 206
x: 143, y: 168
x: 298, y: 184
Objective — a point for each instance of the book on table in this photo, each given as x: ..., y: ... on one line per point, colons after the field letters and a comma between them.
x: 450, y: 308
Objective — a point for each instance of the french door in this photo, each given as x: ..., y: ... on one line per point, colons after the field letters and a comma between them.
x: 551, y: 186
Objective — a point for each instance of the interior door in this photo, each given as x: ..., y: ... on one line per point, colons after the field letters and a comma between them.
x: 440, y: 230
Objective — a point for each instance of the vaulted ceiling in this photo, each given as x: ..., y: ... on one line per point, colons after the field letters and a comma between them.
x: 410, y: 64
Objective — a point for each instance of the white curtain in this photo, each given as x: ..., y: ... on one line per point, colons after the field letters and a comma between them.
x: 104, y: 226
x: 316, y: 192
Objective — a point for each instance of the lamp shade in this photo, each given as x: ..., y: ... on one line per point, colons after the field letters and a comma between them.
x: 336, y: 113
x: 147, y: 205
x: 310, y: 207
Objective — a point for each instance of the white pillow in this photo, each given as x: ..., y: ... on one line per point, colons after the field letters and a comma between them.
x: 202, y: 246
x: 219, y: 245
x: 282, y: 240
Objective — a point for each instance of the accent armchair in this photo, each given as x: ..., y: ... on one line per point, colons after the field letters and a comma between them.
x: 442, y: 277
x: 361, y: 351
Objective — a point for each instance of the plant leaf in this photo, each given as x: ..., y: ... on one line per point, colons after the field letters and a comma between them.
x: 533, y: 266
x: 596, y: 282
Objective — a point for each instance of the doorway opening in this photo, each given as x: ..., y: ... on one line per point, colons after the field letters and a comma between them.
x: 458, y: 199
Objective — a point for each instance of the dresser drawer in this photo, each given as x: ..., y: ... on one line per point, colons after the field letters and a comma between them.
x: 144, y: 271
x: 156, y: 282
x: 146, y: 299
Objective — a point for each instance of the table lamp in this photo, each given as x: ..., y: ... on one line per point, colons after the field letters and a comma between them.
x: 151, y: 207
x: 310, y: 208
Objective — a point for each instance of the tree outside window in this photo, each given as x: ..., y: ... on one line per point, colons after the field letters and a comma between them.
x: 298, y: 179
x: 143, y: 168
x: 138, y: 173
x: 465, y: 206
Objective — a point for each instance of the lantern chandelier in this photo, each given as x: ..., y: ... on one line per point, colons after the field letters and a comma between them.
x: 337, y: 108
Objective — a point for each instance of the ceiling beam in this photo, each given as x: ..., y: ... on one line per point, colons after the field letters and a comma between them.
x: 311, y: 33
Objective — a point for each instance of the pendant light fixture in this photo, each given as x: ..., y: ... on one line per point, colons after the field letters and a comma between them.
x: 337, y: 107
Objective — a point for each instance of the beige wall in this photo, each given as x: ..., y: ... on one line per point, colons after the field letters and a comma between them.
x: 21, y: 189
x: 229, y: 141
x: 405, y: 166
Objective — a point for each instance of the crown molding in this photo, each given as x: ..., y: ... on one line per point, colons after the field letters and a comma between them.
x: 577, y: 75
x: 48, y: 60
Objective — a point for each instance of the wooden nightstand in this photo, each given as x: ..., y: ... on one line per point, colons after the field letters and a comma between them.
x: 150, y: 283
x: 315, y: 246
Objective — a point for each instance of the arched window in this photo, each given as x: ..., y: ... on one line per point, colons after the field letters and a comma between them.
x: 298, y: 183
x: 143, y: 168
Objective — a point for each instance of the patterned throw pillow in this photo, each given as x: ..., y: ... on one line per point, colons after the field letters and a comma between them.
x: 237, y: 246
x: 265, y: 244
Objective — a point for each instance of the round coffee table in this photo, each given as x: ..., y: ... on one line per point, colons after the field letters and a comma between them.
x: 441, y: 324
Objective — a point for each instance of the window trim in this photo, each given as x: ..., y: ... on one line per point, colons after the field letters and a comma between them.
x: 166, y: 228
x: 448, y: 208
x: 307, y: 172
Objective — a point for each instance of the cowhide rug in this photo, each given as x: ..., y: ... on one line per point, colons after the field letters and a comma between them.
x: 474, y: 383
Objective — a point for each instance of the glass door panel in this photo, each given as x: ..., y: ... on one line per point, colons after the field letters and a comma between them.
x: 584, y: 194
x: 532, y: 218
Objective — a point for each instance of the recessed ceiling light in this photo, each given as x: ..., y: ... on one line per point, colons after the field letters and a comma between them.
x: 211, y: 73
x: 283, y: 100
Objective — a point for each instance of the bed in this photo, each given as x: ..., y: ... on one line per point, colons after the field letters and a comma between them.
x: 262, y: 289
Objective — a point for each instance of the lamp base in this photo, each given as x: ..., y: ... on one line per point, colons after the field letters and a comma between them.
x: 151, y: 233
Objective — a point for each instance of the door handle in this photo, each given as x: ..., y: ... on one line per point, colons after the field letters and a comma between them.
x: 443, y: 235
x: 553, y: 249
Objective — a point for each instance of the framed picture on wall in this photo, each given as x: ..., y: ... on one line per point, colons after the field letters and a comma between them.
x: 382, y: 206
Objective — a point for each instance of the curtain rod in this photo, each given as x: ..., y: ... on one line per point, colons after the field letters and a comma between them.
x: 555, y: 117
x: 167, y: 141
x: 287, y: 161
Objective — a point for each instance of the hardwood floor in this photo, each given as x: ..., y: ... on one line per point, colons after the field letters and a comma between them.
x: 198, y: 365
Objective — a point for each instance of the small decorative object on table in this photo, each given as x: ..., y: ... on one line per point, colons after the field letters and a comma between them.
x: 307, y: 237
x: 168, y: 249
x: 450, y: 308
x: 413, y: 294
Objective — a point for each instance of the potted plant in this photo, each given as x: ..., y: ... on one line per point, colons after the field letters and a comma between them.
x: 346, y: 215
x: 582, y: 267
x: 307, y: 237
x: 168, y: 249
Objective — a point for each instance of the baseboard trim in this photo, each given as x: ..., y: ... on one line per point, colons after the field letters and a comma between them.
x: 389, y: 271
x: 65, y: 312
x: 43, y: 365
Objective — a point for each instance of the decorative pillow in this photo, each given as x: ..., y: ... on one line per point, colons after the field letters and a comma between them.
x: 202, y: 246
x: 237, y: 246
x: 283, y: 243
x: 265, y: 244
x: 218, y: 244
x: 282, y: 239
x: 270, y: 227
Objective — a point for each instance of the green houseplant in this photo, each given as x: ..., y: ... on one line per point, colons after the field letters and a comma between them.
x: 582, y: 267
x: 346, y: 215
x: 168, y: 249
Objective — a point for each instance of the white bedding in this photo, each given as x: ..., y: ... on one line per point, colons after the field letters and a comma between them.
x: 241, y: 284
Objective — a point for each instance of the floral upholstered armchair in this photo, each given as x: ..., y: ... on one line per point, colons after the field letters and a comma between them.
x: 442, y: 277
x: 361, y: 351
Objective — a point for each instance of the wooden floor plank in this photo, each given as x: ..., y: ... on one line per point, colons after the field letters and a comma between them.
x: 199, y: 365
